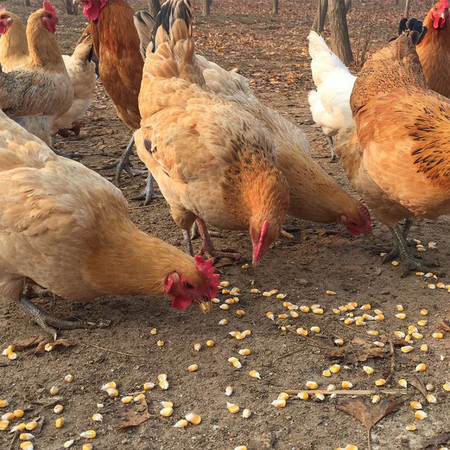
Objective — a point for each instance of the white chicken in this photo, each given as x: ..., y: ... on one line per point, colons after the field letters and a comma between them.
x: 330, y: 102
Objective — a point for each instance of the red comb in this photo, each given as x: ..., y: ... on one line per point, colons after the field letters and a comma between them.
x: 208, y: 270
x: 49, y: 7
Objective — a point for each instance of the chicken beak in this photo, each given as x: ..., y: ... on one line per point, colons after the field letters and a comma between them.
x: 442, y: 16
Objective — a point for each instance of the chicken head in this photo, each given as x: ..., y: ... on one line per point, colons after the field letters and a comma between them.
x: 49, y: 17
x: 199, y: 287
x: 440, y: 14
x: 92, y: 8
x: 5, y: 19
x: 360, y: 223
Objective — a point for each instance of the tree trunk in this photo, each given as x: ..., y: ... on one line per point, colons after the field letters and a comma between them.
x: 348, y: 5
x: 406, y: 13
x: 27, y: 2
x: 70, y: 9
x: 339, y: 32
x: 321, y: 15
x: 206, y: 7
x: 154, y: 7
x: 275, y: 7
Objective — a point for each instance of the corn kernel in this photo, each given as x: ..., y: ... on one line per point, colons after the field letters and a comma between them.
x: 86, y: 447
x: 431, y: 398
x: 244, y: 351
x: 162, y: 377
x: 139, y: 397
x: 246, y: 413
x: 54, y: 390
x: 127, y: 399
x: 232, y: 408
x: 210, y: 343
x: 420, y: 415
x: 246, y: 333
x: 18, y: 427
x: 97, y: 417
x: 379, y: 317
x: 421, y: 367
x: 346, y: 385
x: 267, y: 294
x: 399, y: 334
x: 382, y: 254
x: 68, y: 443
x: 380, y: 382
x: 318, y: 311
x: 68, y: 378
x: 326, y: 373
x: 27, y: 445
x: 274, y: 291
x: 403, y: 383
x: 411, y: 428
x: 3, y: 403
x: 293, y: 314
x: 215, y: 300
x: 166, y: 412
x: 303, y: 395
x: 229, y: 390
x: 315, y: 329
x: 240, y: 447
x: 279, y: 403
x: 193, y: 368
x: 311, y: 385
x: 417, y: 336
x: 49, y: 347
x: 339, y: 341
x: 401, y: 316
x: 305, y: 309
x: 164, y: 385
x: 148, y: 386
x: 407, y: 349
x: 182, y: 423
x: 330, y: 292
x: 281, y: 296
x: 167, y: 404
x: 366, y: 307
x: 283, y: 396
x: 8, y: 416
x: 369, y: 370
x: 235, y: 362
x: 440, y: 285
x: 255, y: 374
x: 335, y: 368
x: 58, y: 409
x: 112, y: 392
x: 319, y: 396
x: 376, y: 398
x: 30, y: 426
x: 301, y: 331
x: 429, y: 275
x: 193, y: 418
x: 422, y: 323
x: 395, y: 263
x: 270, y: 315
x: 89, y: 434
x: 431, y: 286
x: 415, y: 405
x: 110, y: 385
x: 59, y: 422
x: 224, y: 307
x: 282, y: 316
x: 224, y: 284
x: 4, y: 424
x: 336, y: 311
x: 348, y: 321
x: 229, y: 301
x: 446, y: 386
x: 437, y: 335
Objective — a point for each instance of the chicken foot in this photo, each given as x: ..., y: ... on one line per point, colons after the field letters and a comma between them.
x: 331, y: 144
x: 51, y: 324
x: 123, y: 163
x: 208, y: 247
x: 148, y: 193
x: 400, y: 249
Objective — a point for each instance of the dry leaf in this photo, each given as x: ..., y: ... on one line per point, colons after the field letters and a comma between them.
x: 132, y: 415
x: 359, y: 350
x: 369, y: 413
x: 415, y: 382
x: 39, y: 343
x: 437, y: 441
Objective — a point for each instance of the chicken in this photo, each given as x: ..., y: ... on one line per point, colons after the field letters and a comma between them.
x: 434, y: 50
x: 398, y: 158
x: 81, y: 72
x: 40, y: 86
x: 68, y: 229
x: 213, y: 161
x: 116, y: 43
x: 313, y: 194
x: 13, y: 44
x: 330, y: 102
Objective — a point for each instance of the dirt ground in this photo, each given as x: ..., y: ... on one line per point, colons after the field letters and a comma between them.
x: 272, y: 52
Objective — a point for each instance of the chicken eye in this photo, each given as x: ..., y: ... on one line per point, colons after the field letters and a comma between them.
x: 4, y: 16
x: 188, y: 285
x: 49, y: 16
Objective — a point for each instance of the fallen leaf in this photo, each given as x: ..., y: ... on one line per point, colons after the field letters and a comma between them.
x: 132, y: 415
x: 39, y: 342
x: 359, y: 350
x: 369, y: 413
x: 437, y: 441
x: 415, y: 382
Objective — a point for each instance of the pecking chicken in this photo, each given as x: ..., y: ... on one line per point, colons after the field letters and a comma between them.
x: 213, y: 160
x: 40, y: 86
x: 330, y: 102
x: 81, y: 70
x: 68, y: 229
x: 116, y: 43
x: 434, y: 50
x: 398, y: 156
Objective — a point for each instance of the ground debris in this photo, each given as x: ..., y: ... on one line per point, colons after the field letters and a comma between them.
x: 39, y: 343
x: 132, y: 415
x: 359, y: 350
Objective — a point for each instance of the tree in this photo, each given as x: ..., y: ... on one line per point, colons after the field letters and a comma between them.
x: 154, y: 7
x: 275, y: 7
x: 321, y: 15
x: 340, y: 41
x: 406, y: 13
x: 206, y: 7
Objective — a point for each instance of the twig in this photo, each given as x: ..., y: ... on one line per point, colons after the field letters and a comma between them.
x: 116, y: 351
x: 13, y: 440
x: 350, y: 391
x: 391, y: 373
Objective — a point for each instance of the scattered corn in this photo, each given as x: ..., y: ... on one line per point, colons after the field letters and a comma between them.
x: 167, y: 404
x: 255, y: 374
x: 339, y: 341
x: 232, y: 408
x: 59, y: 422
x: 424, y: 312
x: 58, y: 409
x: 86, y: 447
x: 30, y: 426
x: 431, y: 398
x: 109, y: 385
x: 303, y: 395
x: 68, y: 443
x: 3, y: 403
x: 346, y: 385
x: 139, y: 397
x: 54, y: 390
x: 89, y: 434
x: 235, y: 362
x: 399, y: 334
x: 407, y: 349
x: 424, y: 348
x: 446, y: 386
x: 282, y: 316
x: 210, y: 343
x: 224, y: 307
x: 8, y: 416
x: 395, y: 263
x: 244, y: 351
x: 315, y: 329
x: 401, y: 316
x: 279, y: 403
x: 311, y: 385
x: 305, y: 309
x: 255, y: 291
x: 420, y: 415
x: 127, y: 399
x: 437, y: 335
x: 270, y: 315
x: 318, y: 311
x: 301, y: 331
x: 166, y: 412
x: 326, y: 373
x: 369, y: 370
x: 229, y: 390
x: 148, y: 386
x: 421, y: 367
x: 403, y: 383
x: 97, y: 417
x: 112, y: 392
x: 380, y: 382
x: 319, y: 396
x: 411, y: 428
x: 376, y: 398
x: 19, y: 427
x: 246, y: 413
x: 224, y: 284
x: 193, y: 418
x: 415, y: 405
x: 182, y: 423
x: 400, y: 308
x: 197, y: 346
x: 193, y: 368
x: 68, y: 378
x: 164, y: 385
x: 223, y: 322
x: 330, y: 292
x: 27, y: 445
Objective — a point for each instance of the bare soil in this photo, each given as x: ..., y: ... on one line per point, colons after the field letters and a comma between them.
x: 272, y: 52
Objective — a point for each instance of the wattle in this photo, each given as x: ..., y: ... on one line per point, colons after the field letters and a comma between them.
x: 91, y: 12
x: 180, y: 302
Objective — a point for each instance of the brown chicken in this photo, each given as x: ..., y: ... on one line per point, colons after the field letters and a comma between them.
x: 116, y: 43
x: 68, y: 229
x: 398, y: 157
x: 313, y: 194
x: 434, y: 50
x: 13, y: 44
x: 213, y: 160
x: 41, y: 86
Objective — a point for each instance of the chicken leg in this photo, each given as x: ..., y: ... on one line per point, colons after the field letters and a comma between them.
x: 409, y: 261
x: 148, y: 193
x: 50, y: 324
x: 331, y: 144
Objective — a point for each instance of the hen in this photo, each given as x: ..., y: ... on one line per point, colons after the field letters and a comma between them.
x: 13, y: 44
x: 116, y: 43
x: 66, y: 228
x: 40, y: 86
x: 434, y: 50
x: 398, y: 157
x: 213, y: 160
x: 330, y: 102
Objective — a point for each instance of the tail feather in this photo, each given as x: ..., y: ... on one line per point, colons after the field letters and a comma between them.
x: 144, y: 23
x: 84, y: 49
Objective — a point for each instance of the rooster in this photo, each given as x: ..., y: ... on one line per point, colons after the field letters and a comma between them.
x: 213, y: 160
x: 398, y: 155
x: 41, y: 86
x: 65, y: 227
x: 116, y: 43
x: 434, y: 50
x: 330, y: 102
